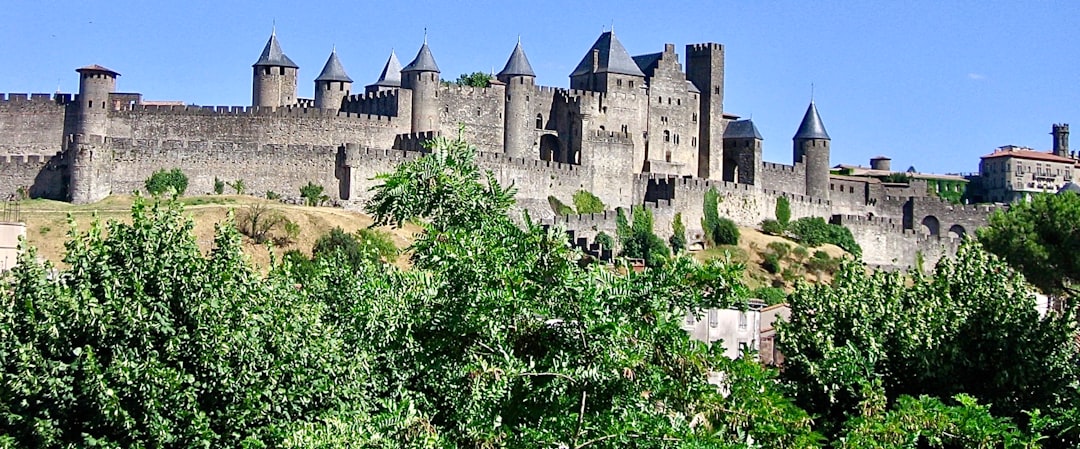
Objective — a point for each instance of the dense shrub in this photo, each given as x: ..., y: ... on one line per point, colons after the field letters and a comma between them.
x: 678, y: 234
x: 781, y: 249
x: 163, y: 181
x: 725, y: 232
x: 312, y: 194
x: 710, y: 217
x: 641, y: 242
x: 587, y: 203
x: 219, y: 186
x: 814, y: 231
x: 366, y: 245
x: 771, y: 295
x: 772, y: 227
x: 783, y: 211
x: 257, y: 221
x: 771, y: 263
x: 604, y: 240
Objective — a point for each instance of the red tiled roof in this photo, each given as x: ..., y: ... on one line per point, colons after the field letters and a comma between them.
x: 1029, y: 154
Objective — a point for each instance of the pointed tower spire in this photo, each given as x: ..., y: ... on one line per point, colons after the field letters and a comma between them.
x: 612, y: 58
x: 333, y: 71
x: 811, y: 126
x: 272, y: 54
x: 424, y: 61
x: 518, y: 64
x: 391, y: 73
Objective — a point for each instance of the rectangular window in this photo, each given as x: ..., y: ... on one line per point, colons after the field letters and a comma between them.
x: 742, y: 321
x: 714, y: 320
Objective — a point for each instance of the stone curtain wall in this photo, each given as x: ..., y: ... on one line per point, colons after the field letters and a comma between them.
x: 479, y: 109
x: 32, y: 123
x: 41, y: 175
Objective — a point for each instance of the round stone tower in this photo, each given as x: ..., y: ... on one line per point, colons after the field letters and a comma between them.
x: 811, y: 144
x: 274, y: 77
x: 95, y: 85
x: 422, y: 77
x: 519, y: 127
x: 332, y: 85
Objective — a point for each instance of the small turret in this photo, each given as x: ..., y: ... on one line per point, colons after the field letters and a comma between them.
x: 95, y: 85
x: 89, y: 177
x: 422, y: 77
x: 811, y: 147
x: 274, y: 78
x: 332, y: 85
x: 742, y: 152
x: 519, y: 132
x: 390, y: 78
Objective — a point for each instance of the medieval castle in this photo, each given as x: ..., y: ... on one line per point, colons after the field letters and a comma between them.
x: 634, y: 130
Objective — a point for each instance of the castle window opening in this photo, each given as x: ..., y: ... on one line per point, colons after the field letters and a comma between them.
x: 695, y: 117
x: 539, y: 121
x: 624, y: 129
x: 281, y: 70
x: 631, y: 83
x: 618, y: 83
x: 678, y: 101
x: 341, y: 87
x: 667, y: 156
x: 478, y: 113
x: 660, y: 100
x: 669, y: 100
x: 693, y: 142
x: 667, y: 136
x: 716, y: 90
x: 266, y: 70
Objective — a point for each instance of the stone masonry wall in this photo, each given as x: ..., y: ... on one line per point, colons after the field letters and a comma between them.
x: 885, y: 243
x: 32, y: 123
x: 41, y: 175
x: 785, y: 178
x: 479, y: 109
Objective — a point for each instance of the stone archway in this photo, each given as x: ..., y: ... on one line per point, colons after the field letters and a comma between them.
x: 549, y: 148
x: 931, y: 225
x: 957, y: 231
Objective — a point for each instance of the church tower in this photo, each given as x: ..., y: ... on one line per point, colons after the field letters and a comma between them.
x: 274, y: 77
x: 811, y: 148
x: 520, y: 80
x: 422, y: 77
x: 332, y: 85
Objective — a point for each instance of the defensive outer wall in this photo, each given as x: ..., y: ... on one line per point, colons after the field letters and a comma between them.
x: 631, y: 146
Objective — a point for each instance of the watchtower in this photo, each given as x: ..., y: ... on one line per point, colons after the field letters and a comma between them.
x: 1060, y: 132
x: 811, y: 148
x: 705, y: 68
x: 95, y: 85
x: 274, y: 77
x: 520, y: 80
x: 422, y: 77
x: 332, y: 85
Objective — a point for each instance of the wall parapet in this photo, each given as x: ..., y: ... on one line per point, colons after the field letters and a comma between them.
x: 253, y: 111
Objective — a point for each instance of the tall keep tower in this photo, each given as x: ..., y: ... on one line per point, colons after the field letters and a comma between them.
x: 91, y: 166
x: 705, y: 68
x: 422, y: 77
x: 520, y: 80
x: 274, y: 77
x: 332, y: 85
x: 1061, y: 139
x: 811, y: 147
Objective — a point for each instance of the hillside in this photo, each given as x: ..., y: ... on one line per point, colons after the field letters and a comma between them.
x: 47, y: 222
x: 753, y: 247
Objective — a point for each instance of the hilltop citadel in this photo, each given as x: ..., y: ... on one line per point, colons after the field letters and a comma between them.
x: 640, y: 131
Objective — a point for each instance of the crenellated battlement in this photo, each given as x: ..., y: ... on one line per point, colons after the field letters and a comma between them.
x: 780, y: 168
x: 254, y: 111
x: 36, y: 98
x: 528, y: 164
x: 414, y: 141
x: 707, y: 46
x: 473, y: 91
x: 601, y: 136
x: 25, y: 159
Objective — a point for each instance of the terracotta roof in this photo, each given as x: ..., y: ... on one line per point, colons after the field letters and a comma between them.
x: 1029, y: 154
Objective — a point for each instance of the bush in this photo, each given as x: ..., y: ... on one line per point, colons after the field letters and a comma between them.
x: 559, y: 207
x: 771, y: 263
x: 725, y: 232
x: 292, y: 231
x: 772, y: 227
x: 771, y: 295
x: 272, y: 195
x: 791, y: 274
x: 163, y: 181
x: 239, y: 186
x: 605, y: 241
x: 783, y: 211
x: 823, y: 263
x: 312, y: 194
x: 800, y: 253
x: 219, y: 186
x: 810, y: 231
x: 257, y: 220
x: 678, y: 234
x: 710, y: 218
x: 642, y: 242
x: 587, y: 203
x: 367, y: 245
x: 781, y: 249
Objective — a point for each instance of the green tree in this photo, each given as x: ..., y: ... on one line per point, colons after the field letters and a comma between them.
x: 710, y: 218
x: 1041, y: 238
x: 164, y: 181
x: 367, y: 245
x: 642, y: 243
x: 678, y: 234
x: 970, y: 329
x: 238, y: 186
x: 587, y: 203
x: 605, y: 240
x: 219, y: 186
x: 783, y: 211
x: 474, y: 79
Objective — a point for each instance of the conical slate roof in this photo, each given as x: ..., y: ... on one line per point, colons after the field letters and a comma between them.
x: 333, y: 71
x: 1069, y: 187
x: 391, y: 73
x: 613, y: 58
x: 811, y: 126
x: 423, y: 62
x: 518, y: 64
x: 273, y: 56
x: 742, y: 129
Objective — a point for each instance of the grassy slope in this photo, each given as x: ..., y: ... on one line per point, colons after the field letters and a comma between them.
x: 47, y: 222
x: 751, y: 249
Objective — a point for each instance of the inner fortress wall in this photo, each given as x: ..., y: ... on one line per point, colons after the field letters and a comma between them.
x: 479, y: 109
x: 32, y: 123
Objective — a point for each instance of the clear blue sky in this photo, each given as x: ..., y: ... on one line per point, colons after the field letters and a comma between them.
x: 934, y: 84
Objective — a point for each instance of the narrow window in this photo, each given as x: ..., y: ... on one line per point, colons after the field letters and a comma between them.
x: 281, y: 70
x: 695, y: 117
x: 716, y: 90
x: 742, y: 321
x: 714, y: 320
x: 667, y: 136
x: 631, y: 83
x: 539, y: 121
x: 667, y: 156
x: 618, y: 83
